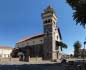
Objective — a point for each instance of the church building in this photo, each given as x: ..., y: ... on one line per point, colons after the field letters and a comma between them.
x: 42, y: 45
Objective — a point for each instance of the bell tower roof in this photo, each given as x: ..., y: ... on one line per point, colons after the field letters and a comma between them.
x: 49, y: 9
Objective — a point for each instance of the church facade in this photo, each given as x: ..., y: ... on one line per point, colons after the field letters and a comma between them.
x: 42, y: 45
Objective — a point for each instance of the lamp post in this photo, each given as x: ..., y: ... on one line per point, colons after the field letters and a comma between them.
x: 84, y: 54
x: 84, y: 48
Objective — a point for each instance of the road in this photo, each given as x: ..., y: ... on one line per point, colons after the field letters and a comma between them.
x: 31, y: 67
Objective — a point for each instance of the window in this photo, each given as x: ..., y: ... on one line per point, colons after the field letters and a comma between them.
x: 45, y: 21
x: 40, y: 40
x: 57, y: 37
x: 49, y: 20
x: 55, y: 29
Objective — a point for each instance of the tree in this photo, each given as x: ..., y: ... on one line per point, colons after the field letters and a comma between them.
x: 71, y: 55
x: 61, y: 44
x: 77, y: 46
x: 79, y: 7
x: 14, y: 52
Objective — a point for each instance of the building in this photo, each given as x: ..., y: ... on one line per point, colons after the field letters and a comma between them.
x: 82, y: 53
x: 42, y: 45
x: 5, y: 51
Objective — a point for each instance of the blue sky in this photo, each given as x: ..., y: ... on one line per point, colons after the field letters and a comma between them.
x: 22, y: 18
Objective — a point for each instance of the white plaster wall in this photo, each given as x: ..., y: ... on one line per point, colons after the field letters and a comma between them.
x: 0, y: 51
x: 5, y: 53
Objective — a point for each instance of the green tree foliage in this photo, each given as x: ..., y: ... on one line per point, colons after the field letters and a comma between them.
x: 14, y: 53
x: 77, y: 46
x: 79, y: 7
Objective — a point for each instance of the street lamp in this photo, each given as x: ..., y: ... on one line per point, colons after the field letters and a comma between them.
x: 84, y: 54
x: 84, y: 48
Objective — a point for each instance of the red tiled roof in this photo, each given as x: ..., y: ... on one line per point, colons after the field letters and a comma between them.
x: 30, y: 37
x: 35, y: 36
x: 5, y: 47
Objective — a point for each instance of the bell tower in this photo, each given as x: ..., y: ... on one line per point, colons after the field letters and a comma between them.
x: 49, y: 25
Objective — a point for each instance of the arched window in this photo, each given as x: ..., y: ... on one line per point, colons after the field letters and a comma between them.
x: 57, y: 37
x: 49, y: 20
x: 40, y: 40
x: 45, y: 21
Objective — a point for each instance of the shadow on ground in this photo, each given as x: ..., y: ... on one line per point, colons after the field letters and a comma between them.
x: 32, y: 67
x: 54, y: 66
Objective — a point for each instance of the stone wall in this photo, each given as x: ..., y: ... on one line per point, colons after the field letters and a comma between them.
x: 8, y: 59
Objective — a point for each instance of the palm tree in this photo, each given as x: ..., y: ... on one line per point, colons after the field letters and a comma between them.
x: 77, y: 46
x: 61, y: 44
x: 79, y: 7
